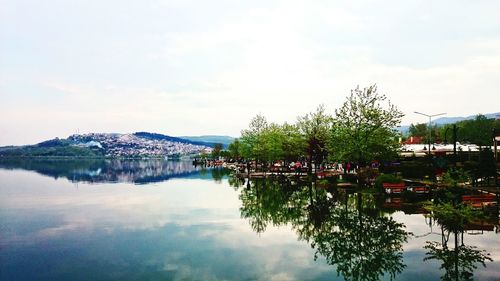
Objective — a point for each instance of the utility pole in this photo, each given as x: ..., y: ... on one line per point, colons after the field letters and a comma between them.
x: 455, y: 129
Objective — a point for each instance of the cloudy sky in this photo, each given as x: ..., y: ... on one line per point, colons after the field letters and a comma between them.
x: 206, y: 67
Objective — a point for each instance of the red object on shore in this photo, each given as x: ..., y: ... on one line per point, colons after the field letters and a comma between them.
x: 479, y: 200
x: 394, y: 187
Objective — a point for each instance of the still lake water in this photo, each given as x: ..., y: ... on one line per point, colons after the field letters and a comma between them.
x: 167, y: 220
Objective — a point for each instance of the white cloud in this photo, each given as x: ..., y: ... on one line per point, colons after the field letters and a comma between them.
x: 193, y: 68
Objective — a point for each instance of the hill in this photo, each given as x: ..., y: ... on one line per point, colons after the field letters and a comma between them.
x: 450, y: 120
x: 225, y: 140
x: 141, y: 144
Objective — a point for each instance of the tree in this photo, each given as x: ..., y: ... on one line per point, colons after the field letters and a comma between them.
x: 272, y: 140
x: 478, y: 131
x: 422, y: 130
x: 315, y: 128
x: 418, y: 130
x: 216, y: 152
x: 234, y: 149
x: 252, y: 142
x: 363, y: 128
x: 293, y: 143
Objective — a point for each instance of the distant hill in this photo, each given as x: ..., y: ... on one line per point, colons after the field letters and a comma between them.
x: 225, y: 140
x: 155, y: 136
x: 140, y: 144
x: 449, y: 120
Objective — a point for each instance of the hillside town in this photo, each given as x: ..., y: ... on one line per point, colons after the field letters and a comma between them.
x: 130, y: 145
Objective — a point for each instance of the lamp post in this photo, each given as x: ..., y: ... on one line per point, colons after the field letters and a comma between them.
x: 429, y: 127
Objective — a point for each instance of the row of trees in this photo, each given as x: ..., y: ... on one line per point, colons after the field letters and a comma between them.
x: 477, y: 131
x: 361, y: 130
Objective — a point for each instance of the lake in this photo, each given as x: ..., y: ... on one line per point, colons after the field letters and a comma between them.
x: 169, y: 220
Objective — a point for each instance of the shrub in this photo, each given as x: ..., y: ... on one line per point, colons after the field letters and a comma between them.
x: 387, y: 178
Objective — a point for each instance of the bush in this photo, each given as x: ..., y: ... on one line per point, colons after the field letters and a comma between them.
x: 387, y: 178
x: 455, y: 176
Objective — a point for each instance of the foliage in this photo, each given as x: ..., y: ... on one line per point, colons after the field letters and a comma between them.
x: 315, y: 128
x: 234, y: 149
x: 293, y: 142
x: 216, y: 152
x: 387, y: 178
x: 419, y: 130
x: 453, y: 217
x: 422, y: 130
x: 486, y: 167
x: 52, y: 151
x: 455, y: 176
x: 478, y: 130
x: 252, y: 144
x: 272, y: 139
x: 364, y: 129
x: 269, y: 142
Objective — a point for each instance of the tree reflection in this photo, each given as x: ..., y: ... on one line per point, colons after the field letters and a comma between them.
x: 271, y: 202
x: 346, y: 229
x: 460, y: 261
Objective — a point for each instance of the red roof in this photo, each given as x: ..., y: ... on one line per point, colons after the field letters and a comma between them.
x: 413, y: 140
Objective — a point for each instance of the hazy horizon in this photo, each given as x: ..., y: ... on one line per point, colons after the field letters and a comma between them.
x: 206, y: 68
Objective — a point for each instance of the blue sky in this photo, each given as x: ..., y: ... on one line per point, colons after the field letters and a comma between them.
x: 206, y: 67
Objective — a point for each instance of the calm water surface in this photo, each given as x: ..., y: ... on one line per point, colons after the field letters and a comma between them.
x: 159, y: 220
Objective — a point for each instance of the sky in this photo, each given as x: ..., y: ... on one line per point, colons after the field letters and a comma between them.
x: 207, y: 67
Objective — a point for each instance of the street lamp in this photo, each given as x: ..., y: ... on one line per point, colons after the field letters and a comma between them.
x: 429, y: 127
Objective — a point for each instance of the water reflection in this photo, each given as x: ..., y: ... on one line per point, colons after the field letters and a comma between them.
x: 348, y: 230
x: 114, y: 170
x: 459, y: 260
x: 206, y: 230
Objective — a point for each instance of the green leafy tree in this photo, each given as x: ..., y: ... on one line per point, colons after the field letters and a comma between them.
x: 216, y: 152
x: 252, y: 142
x: 419, y: 130
x: 272, y: 140
x: 454, y: 177
x: 293, y: 143
x: 422, y: 130
x: 478, y: 131
x: 234, y: 149
x: 315, y: 128
x: 364, y: 127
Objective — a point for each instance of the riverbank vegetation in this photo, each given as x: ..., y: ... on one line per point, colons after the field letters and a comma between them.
x: 361, y: 130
